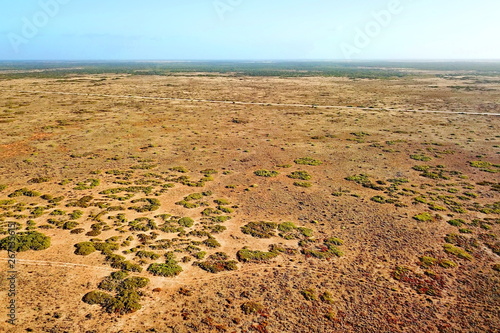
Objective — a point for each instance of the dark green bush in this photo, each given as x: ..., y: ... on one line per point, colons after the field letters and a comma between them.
x: 303, y: 175
x: 186, y: 222
x: 84, y: 248
x: 266, y: 173
x: 24, y: 241
x: 246, y: 255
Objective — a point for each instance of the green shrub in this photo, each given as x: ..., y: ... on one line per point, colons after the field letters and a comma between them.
x: 302, y: 184
x: 39, y: 180
x: 97, y: 297
x: 266, y: 173
x: 180, y: 169
x: 147, y: 254
x: 194, y: 196
x: 200, y: 255
x: 260, y: 229
x: 84, y: 248
x: 461, y: 253
x: 309, y: 294
x: 426, y: 261
x: 70, y: 225
x: 287, y: 226
x: 24, y: 241
x: 186, y: 222
x: 456, y: 222
x: 308, y: 161
x: 24, y: 192
x: 208, y: 171
x: 169, y: 268
x: 422, y: 158
x: 447, y: 263
x: 87, y: 185
x: 151, y: 205
x: 251, y: 308
x: 76, y: 214
x: 222, y: 202
x: 246, y: 255
x: 327, y: 297
x: 303, y: 175
x: 424, y: 217
x: 334, y: 241
x: 57, y: 212
x: 379, y: 199
x: 211, y: 242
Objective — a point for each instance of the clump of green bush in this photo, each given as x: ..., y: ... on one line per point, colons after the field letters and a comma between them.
x: 302, y: 184
x: 151, y: 205
x: 186, y: 222
x: 246, y: 255
x: 87, y: 184
x: 309, y: 294
x: 308, y: 161
x: 84, y: 248
x: 266, y: 173
x: 127, y: 297
x: 169, y: 269
x: 303, y: 175
x: 24, y: 192
x: 423, y: 217
x: 461, y: 253
x: 24, y: 241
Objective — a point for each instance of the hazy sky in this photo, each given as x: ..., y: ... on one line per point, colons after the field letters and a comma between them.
x: 248, y: 29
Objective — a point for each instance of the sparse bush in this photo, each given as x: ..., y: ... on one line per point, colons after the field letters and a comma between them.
x: 218, y: 263
x: 24, y: 192
x: 266, y: 173
x: 461, y: 253
x: 302, y: 184
x: 447, y: 263
x: 309, y: 294
x: 24, y: 241
x: 427, y: 262
x: 211, y: 242
x: 260, y: 229
x: 251, y: 308
x: 303, y: 175
x: 308, y: 161
x: 424, y: 217
x: 327, y: 297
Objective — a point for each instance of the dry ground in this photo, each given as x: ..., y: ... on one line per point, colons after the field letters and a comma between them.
x: 70, y: 138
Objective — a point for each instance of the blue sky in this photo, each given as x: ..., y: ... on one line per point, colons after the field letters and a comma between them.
x: 248, y: 29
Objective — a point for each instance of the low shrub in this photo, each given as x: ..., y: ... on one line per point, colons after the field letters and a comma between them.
x: 308, y: 161
x: 24, y: 241
x: 266, y: 173
x: 260, y: 229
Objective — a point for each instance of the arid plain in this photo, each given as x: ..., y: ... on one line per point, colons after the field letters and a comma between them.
x: 332, y: 204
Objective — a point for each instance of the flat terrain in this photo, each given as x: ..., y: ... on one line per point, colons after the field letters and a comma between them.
x: 394, y: 210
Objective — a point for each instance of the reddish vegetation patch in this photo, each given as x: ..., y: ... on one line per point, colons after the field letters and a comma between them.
x: 429, y: 283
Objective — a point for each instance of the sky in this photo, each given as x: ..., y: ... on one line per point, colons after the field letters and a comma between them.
x: 249, y: 29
